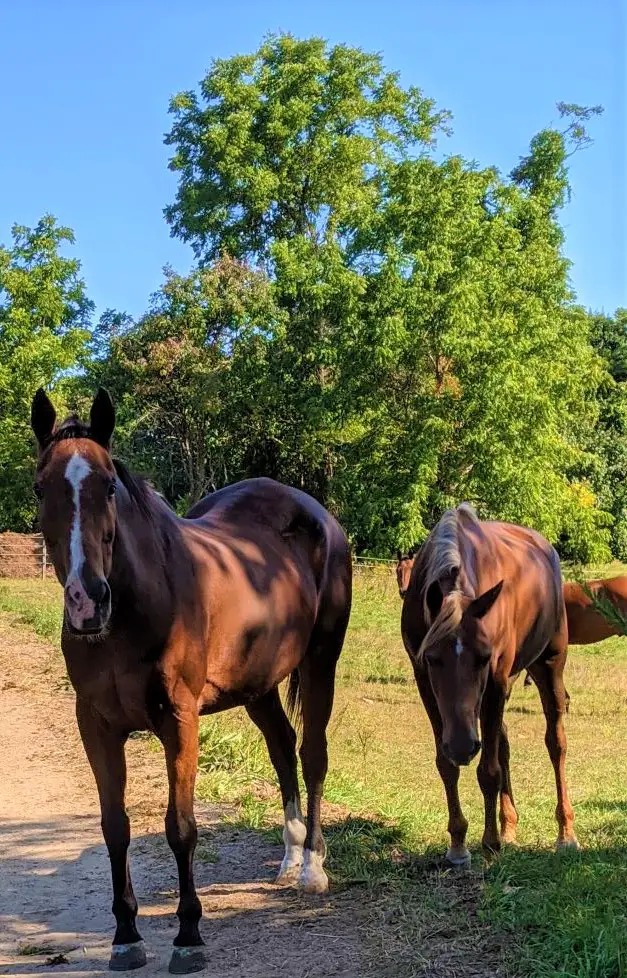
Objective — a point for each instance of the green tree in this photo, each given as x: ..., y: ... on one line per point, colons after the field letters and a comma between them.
x: 177, y: 375
x: 279, y: 161
x: 44, y: 334
x: 609, y: 475
x: 428, y: 349
x: 489, y: 377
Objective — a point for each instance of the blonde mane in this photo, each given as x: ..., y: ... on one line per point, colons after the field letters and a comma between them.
x: 444, y: 562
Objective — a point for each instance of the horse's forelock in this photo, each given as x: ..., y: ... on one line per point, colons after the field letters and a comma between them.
x: 446, y: 623
x: 443, y: 567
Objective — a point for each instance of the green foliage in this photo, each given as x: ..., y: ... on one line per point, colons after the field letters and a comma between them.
x: 184, y: 376
x: 44, y: 332
x: 609, y: 437
x: 387, y: 329
x: 427, y: 350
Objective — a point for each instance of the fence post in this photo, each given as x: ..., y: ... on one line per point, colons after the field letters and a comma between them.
x: 43, y: 559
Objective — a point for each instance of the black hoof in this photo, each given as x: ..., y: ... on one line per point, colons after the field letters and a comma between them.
x: 185, y: 960
x: 127, y: 957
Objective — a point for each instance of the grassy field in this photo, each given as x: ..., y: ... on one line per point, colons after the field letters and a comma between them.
x: 553, y: 914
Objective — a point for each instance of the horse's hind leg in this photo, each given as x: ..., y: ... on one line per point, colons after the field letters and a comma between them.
x: 317, y: 681
x: 548, y: 674
x: 268, y: 714
x: 105, y: 751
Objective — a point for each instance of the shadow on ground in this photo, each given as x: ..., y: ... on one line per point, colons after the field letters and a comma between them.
x: 401, y: 915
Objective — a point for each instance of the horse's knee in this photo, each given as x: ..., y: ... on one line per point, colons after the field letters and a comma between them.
x: 489, y: 778
x: 181, y: 830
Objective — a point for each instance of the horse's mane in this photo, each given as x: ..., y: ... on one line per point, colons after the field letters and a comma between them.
x: 444, y: 562
x: 139, y: 489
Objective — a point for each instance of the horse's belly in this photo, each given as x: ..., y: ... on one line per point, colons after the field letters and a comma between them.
x: 240, y: 673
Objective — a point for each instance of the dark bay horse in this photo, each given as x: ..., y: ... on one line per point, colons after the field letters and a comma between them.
x: 586, y: 624
x: 166, y: 618
x: 485, y: 602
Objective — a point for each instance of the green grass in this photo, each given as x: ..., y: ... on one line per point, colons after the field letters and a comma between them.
x: 550, y: 914
x: 34, y: 603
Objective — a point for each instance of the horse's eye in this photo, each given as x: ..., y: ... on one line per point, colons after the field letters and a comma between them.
x: 434, y: 660
x: 111, y: 490
x: 38, y: 491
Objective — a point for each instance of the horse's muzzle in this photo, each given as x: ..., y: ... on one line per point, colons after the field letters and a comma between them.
x: 461, y: 757
x: 87, y: 610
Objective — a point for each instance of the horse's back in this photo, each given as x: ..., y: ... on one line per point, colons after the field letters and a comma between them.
x: 283, y: 522
x: 586, y: 624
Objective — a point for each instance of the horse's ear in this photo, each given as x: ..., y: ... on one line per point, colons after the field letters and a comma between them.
x: 42, y: 417
x: 399, y: 556
x: 438, y: 590
x: 481, y: 605
x: 102, y: 418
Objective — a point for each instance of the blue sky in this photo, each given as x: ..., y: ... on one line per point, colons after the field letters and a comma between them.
x: 84, y: 90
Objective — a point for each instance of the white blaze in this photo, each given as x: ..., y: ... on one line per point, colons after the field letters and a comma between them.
x: 76, y: 472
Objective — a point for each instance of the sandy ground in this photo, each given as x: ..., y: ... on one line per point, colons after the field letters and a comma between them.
x: 55, y: 889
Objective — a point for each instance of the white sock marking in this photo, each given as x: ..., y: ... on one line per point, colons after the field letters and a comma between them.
x: 313, y: 878
x: 294, y: 837
x: 76, y: 472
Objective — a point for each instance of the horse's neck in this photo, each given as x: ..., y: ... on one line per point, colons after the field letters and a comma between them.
x: 140, y: 577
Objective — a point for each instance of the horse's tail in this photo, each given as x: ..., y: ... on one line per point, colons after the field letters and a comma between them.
x: 293, y: 702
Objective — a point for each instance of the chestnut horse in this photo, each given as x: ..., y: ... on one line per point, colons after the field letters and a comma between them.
x: 485, y: 602
x: 166, y: 618
x: 404, y: 567
x: 586, y: 624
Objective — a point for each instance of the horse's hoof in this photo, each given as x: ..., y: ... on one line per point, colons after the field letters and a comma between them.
x: 571, y: 843
x: 185, y: 960
x: 127, y: 957
x: 313, y: 878
x: 289, y: 873
x: 458, y: 858
x: 508, y: 838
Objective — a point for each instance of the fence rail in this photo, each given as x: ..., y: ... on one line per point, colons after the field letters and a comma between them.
x: 35, y: 562
x: 23, y: 555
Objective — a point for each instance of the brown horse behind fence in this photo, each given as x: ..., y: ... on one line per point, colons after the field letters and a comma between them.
x: 166, y: 618
x: 485, y: 602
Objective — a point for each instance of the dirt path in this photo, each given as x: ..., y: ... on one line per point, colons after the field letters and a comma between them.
x: 55, y: 890
x: 54, y: 872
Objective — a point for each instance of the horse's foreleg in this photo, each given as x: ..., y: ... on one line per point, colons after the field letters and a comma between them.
x: 548, y: 674
x: 457, y: 854
x: 508, y: 813
x: 179, y: 736
x: 105, y: 751
x: 269, y: 716
x: 489, y: 771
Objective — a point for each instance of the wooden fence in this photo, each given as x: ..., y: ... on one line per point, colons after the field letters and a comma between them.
x: 23, y: 555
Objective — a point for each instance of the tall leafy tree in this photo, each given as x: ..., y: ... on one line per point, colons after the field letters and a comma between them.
x: 609, y: 437
x: 279, y: 159
x: 428, y: 349
x: 44, y: 333
x: 178, y: 373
